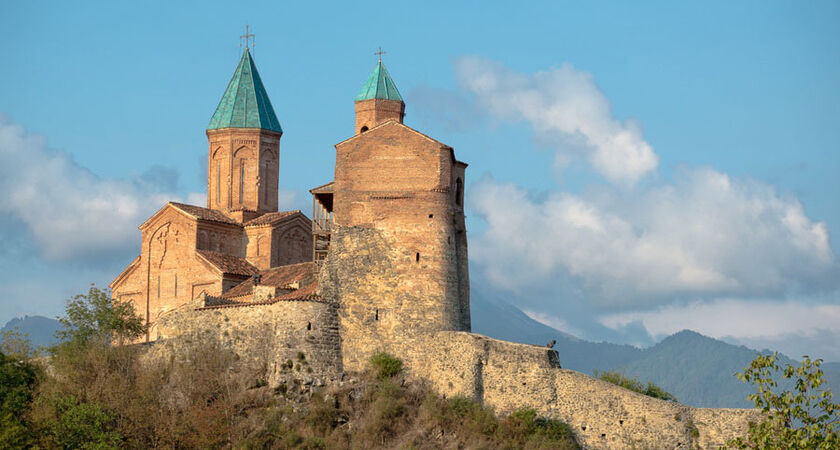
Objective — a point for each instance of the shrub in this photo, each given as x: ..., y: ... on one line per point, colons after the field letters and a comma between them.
x: 84, y: 426
x: 525, y: 426
x: 385, y: 365
x: 651, y: 390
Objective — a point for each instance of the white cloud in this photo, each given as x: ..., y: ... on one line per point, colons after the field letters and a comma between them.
x: 566, y: 107
x: 735, y: 318
x: 707, y: 235
x: 69, y: 211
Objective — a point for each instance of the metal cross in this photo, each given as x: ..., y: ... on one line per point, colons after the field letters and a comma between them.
x: 380, y: 53
x: 246, y: 36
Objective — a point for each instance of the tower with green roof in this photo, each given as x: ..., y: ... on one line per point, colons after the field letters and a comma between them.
x: 379, y: 100
x: 244, y: 155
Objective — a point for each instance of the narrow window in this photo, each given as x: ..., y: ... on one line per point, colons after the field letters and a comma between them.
x: 218, y: 183
x: 242, y: 182
x: 308, y: 326
x: 417, y: 258
x: 459, y: 192
x: 376, y: 315
x: 176, y: 285
x: 158, y: 287
x: 264, y: 186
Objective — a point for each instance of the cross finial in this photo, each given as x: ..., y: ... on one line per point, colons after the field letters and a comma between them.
x: 246, y: 36
x: 379, y: 54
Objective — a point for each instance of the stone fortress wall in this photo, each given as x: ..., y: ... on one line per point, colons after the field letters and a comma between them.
x: 271, y: 333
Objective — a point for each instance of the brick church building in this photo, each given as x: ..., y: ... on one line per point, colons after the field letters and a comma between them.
x: 387, y: 176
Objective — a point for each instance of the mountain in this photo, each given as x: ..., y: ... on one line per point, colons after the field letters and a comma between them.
x: 39, y: 329
x: 698, y: 370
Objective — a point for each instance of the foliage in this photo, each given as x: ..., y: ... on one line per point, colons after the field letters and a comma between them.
x: 18, y: 378
x: 802, y: 418
x: 16, y: 344
x: 385, y: 365
x: 96, y: 316
x: 618, y: 378
x: 84, y: 426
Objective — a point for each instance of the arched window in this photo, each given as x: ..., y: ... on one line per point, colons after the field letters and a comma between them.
x: 364, y: 128
x: 459, y: 192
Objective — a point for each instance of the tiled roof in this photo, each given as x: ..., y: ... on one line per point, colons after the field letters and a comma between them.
x: 307, y: 293
x: 229, y: 264
x: 270, y: 218
x: 280, y: 277
x: 204, y: 213
x: 379, y: 85
x: 245, y: 103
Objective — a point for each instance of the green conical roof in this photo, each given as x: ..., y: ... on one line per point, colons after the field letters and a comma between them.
x: 379, y: 85
x: 245, y: 103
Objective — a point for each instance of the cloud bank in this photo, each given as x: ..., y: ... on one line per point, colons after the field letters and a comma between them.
x: 708, y: 235
x: 564, y: 107
x: 68, y: 211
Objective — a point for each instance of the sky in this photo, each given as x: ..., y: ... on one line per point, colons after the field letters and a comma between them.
x: 635, y: 168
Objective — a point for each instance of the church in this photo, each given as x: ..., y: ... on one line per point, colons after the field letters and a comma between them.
x: 387, y: 175
x: 380, y: 265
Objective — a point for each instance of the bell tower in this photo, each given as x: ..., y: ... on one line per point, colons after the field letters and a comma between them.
x: 244, y: 152
x: 379, y: 101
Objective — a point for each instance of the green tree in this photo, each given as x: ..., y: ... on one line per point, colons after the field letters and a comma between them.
x: 802, y: 418
x: 96, y: 316
x: 18, y: 379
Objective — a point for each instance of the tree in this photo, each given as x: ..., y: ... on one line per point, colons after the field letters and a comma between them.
x: 18, y: 379
x: 802, y: 418
x: 96, y: 316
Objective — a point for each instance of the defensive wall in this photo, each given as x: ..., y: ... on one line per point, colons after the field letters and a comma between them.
x: 506, y: 376
x: 271, y: 333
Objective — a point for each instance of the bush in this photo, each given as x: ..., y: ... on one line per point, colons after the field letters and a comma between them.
x: 84, y: 426
x: 651, y: 390
x: 385, y: 365
x: 526, y: 427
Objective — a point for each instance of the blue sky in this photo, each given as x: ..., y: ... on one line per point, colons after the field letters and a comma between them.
x: 668, y: 164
